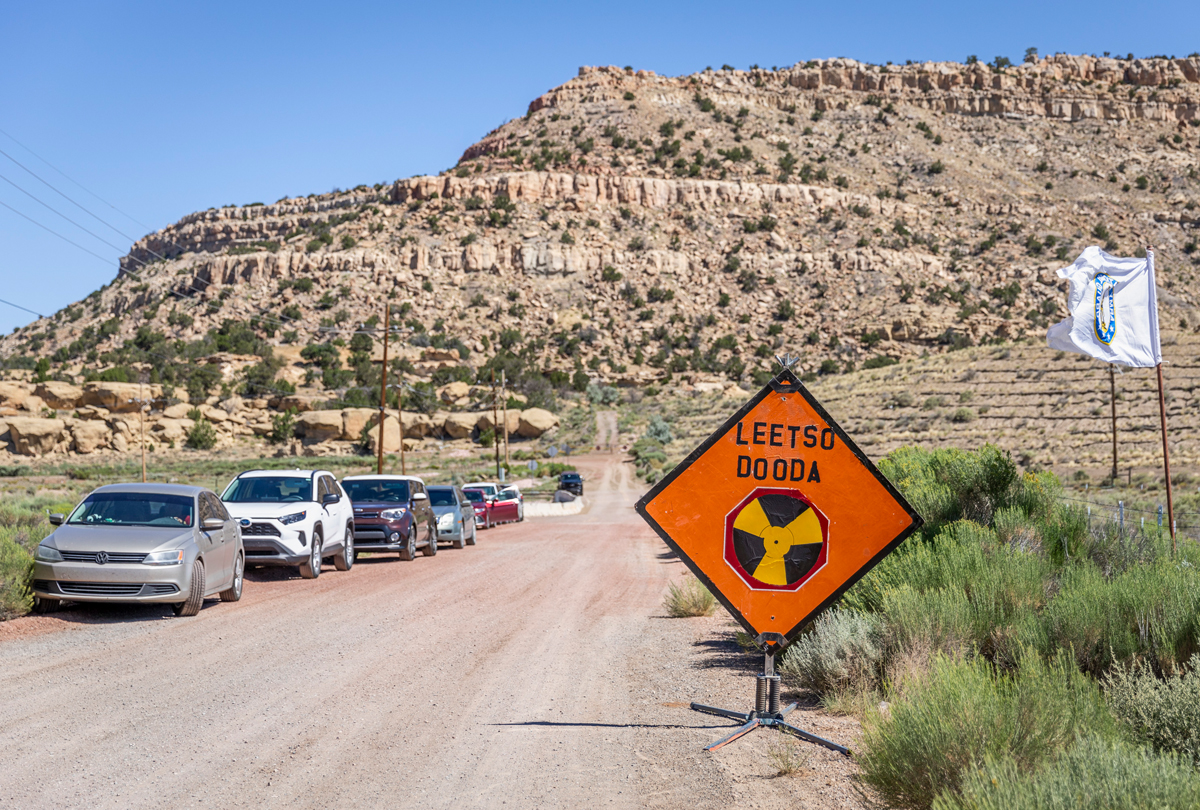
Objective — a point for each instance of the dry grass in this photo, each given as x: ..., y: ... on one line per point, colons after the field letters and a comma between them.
x: 787, y: 756
x: 689, y: 598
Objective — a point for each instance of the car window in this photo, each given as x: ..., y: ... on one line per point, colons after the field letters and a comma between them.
x: 367, y: 490
x: 206, y: 510
x: 322, y: 488
x: 473, y: 495
x: 134, y: 509
x: 441, y: 496
x: 218, y: 508
x: 269, y: 489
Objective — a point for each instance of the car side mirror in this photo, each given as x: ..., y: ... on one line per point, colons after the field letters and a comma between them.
x: 329, y: 498
x: 56, y: 519
x: 213, y: 524
x: 420, y: 496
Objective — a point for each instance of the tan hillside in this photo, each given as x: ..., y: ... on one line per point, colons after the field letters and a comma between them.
x: 633, y: 227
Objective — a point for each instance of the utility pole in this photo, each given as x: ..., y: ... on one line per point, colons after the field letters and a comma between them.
x: 383, y: 371
x: 142, y: 419
x: 495, y: 423
x: 400, y: 405
x: 504, y: 400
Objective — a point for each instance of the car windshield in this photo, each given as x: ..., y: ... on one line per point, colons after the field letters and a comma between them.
x: 133, y: 509
x: 473, y: 495
x: 442, y: 497
x: 269, y: 489
x: 507, y: 495
x: 570, y: 476
x: 377, y: 491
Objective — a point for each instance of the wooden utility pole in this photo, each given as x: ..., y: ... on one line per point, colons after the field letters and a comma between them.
x: 504, y: 400
x: 142, y: 415
x: 495, y: 426
x: 383, y: 372
x: 1112, y: 384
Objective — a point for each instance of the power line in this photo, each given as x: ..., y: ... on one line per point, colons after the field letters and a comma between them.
x: 18, y: 306
x: 56, y: 233
x: 91, y: 233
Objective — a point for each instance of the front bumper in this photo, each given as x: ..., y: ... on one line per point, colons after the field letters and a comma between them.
x: 269, y: 551
x: 376, y: 535
x: 88, y: 582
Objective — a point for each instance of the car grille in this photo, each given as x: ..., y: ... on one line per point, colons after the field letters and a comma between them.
x: 163, y: 587
x: 41, y: 585
x: 100, y: 588
x: 369, y: 534
x: 365, y: 513
x: 261, y: 552
x: 261, y: 530
x: 90, y: 556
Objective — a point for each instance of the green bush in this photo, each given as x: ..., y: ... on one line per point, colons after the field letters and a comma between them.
x: 964, y: 711
x: 841, y: 652
x: 1094, y: 774
x: 202, y: 436
x: 689, y: 598
x: 659, y: 430
x: 283, y: 427
x: 948, y: 485
x: 1163, y: 713
x: 16, y: 568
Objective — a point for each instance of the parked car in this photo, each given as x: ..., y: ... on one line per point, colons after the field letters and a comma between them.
x: 141, y: 543
x: 455, y: 515
x: 571, y: 482
x: 293, y: 517
x: 483, y: 510
x: 512, y: 493
x: 488, y: 488
x: 392, y: 513
x: 498, y: 510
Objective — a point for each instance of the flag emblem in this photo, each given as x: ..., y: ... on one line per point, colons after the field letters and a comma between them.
x: 1106, y: 316
x: 776, y: 539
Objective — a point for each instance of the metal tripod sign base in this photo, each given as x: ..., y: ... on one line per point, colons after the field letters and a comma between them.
x: 766, y: 714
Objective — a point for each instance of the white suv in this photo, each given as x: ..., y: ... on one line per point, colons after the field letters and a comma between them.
x: 293, y: 517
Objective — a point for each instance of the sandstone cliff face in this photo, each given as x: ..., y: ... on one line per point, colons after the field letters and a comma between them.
x: 632, y: 226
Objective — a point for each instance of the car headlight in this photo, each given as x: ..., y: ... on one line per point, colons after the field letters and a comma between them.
x: 392, y: 514
x: 446, y: 520
x: 296, y: 517
x: 47, y: 554
x: 173, y: 557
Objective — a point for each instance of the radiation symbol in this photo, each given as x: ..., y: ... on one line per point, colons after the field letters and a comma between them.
x: 776, y: 539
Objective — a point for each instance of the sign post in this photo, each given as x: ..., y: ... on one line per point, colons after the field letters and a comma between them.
x: 778, y: 513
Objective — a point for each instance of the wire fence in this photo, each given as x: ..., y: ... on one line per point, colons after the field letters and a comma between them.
x: 1132, y: 519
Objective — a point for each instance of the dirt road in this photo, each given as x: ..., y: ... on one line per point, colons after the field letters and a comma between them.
x: 532, y: 670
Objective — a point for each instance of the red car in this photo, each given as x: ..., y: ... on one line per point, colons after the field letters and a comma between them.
x: 491, y: 509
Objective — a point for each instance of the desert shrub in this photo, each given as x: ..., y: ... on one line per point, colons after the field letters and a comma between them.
x: 964, y: 711
x: 1149, y: 612
x: 202, y: 436
x: 603, y: 394
x: 963, y: 415
x: 1094, y: 774
x: 283, y: 426
x: 16, y: 568
x: 841, y: 652
x: 689, y: 598
x: 659, y: 430
x: 1163, y: 713
x: 948, y: 485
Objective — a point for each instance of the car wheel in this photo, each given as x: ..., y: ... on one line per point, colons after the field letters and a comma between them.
x: 234, y: 592
x: 311, y: 568
x: 195, y: 593
x: 344, y: 559
x: 42, y: 606
x: 431, y: 547
x: 409, y: 552
x: 461, y: 542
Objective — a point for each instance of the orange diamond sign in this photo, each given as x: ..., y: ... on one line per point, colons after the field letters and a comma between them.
x: 778, y: 512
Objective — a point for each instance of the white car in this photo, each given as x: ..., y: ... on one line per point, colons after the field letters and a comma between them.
x: 489, y: 488
x: 293, y: 517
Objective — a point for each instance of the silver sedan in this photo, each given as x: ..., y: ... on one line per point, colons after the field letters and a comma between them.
x: 141, y: 543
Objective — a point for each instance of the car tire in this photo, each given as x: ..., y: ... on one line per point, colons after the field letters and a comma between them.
x: 409, y: 552
x: 431, y: 547
x: 234, y: 592
x: 344, y: 559
x: 461, y: 542
x: 43, y: 606
x: 195, y: 598
x: 311, y: 568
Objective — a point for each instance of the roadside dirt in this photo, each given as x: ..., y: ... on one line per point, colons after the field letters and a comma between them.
x: 536, y: 669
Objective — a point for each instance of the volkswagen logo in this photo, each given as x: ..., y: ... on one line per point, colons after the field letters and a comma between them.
x: 101, y: 557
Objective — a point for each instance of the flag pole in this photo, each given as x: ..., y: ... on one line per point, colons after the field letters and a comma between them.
x: 1112, y: 383
x: 1162, y: 412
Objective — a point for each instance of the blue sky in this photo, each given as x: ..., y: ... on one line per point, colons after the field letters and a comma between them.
x: 162, y: 109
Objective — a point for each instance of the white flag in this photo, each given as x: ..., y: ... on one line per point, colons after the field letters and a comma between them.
x: 1113, y: 310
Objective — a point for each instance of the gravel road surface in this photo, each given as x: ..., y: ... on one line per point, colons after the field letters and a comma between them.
x: 535, y: 669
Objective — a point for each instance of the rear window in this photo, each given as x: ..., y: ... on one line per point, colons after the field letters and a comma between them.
x: 377, y: 491
x: 269, y: 489
x: 133, y: 509
x: 442, y: 497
